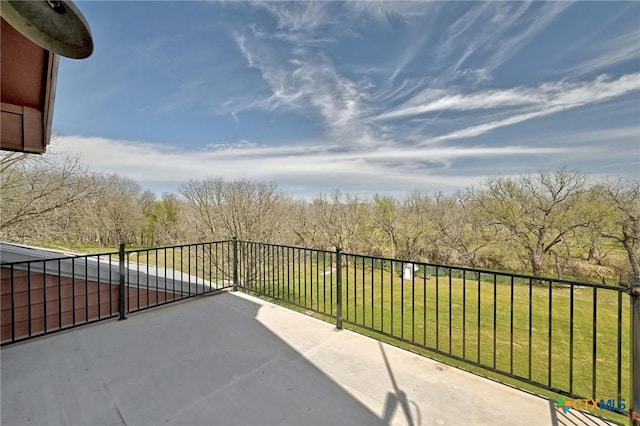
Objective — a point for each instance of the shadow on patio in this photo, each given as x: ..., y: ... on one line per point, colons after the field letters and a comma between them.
x: 236, y: 360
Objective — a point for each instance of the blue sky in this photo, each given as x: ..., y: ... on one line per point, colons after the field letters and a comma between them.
x: 366, y: 97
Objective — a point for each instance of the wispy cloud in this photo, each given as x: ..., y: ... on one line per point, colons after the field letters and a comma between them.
x: 493, y: 31
x: 620, y: 49
x: 298, y: 17
x: 628, y: 134
x: 409, y: 54
x: 306, y: 81
x: 286, y: 164
x: 421, y: 34
x: 489, y: 99
x: 240, y: 39
x: 523, y: 103
x: 457, y: 31
x: 536, y: 22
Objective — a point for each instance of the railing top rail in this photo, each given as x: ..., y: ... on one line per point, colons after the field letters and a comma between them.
x: 543, y: 279
x: 136, y: 250
x: 58, y: 258
x: 498, y: 273
x: 114, y: 253
x: 287, y: 246
x: 547, y: 279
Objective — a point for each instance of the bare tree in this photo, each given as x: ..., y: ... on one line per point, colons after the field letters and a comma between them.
x: 147, y: 202
x: 305, y: 228
x: 405, y: 224
x: 622, y: 197
x: 242, y: 209
x: 250, y: 211
x: 462, y: 230
x: 385, y: 211
x: 167, y: 212
x: 36, y: 189
x: 341, y: 219
x: 115, y: 212
x: 538, y: 211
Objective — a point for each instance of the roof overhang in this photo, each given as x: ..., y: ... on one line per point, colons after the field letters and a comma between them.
x: 28, y: 75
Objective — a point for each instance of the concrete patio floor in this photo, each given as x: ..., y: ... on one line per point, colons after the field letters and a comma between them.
x: 232, y: 359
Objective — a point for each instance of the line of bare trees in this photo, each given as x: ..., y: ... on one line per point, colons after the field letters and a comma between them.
x: 549, y: 223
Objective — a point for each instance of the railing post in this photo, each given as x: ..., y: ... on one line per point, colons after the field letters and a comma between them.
x: 338, y: 288
x: 235, y: 264
x: 635, y: 352
x: 121, y: 261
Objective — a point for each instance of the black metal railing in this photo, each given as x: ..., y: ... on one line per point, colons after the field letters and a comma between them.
x: 570, y: 338
x: 567, y: 337
x: 47, y: 295
x: 300, y: 276
x: 157, y: 276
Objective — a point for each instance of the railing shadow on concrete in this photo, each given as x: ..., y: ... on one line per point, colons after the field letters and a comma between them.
x: 398, y: 396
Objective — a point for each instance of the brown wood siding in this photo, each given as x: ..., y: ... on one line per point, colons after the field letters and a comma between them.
x: 62, y: 295
x: 28, y: 75
x: 148, y: 298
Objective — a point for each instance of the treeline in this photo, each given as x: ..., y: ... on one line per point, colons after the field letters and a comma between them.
x: 549, y: 223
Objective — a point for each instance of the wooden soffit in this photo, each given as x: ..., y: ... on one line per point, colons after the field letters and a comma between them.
x: 28, y: 75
